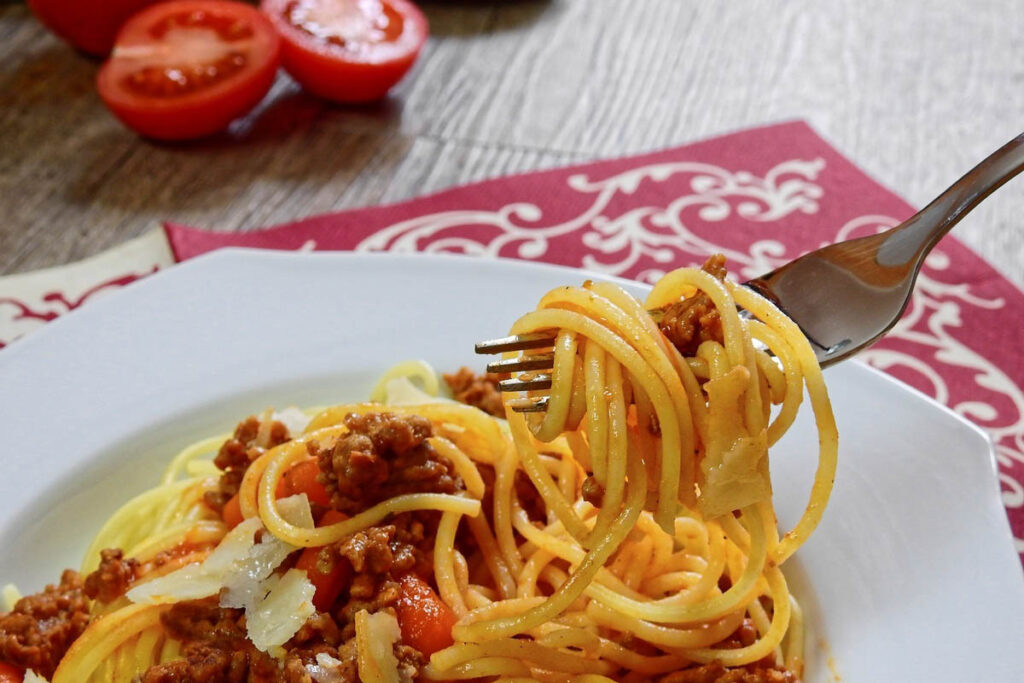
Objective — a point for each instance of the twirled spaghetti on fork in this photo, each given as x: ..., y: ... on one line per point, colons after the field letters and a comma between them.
x: 625, y: 534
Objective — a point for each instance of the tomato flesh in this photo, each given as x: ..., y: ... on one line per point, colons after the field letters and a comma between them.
x: 351, y: 25
x: 186, y: 69
x: 426, y: 621
x: 348, y: 50
x: 10, y: 674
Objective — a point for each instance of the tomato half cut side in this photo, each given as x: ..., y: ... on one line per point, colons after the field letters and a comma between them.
x: 348, y: 50
x: 187, y: 68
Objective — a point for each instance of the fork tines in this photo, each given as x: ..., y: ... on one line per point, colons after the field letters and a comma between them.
x: 517, y: 342
x: 529, y: 364
x: 540, y: 361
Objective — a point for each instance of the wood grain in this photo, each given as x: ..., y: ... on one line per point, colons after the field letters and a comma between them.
x: 915, y: 92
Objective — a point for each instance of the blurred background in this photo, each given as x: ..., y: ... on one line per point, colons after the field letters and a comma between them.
x: 915, y: 92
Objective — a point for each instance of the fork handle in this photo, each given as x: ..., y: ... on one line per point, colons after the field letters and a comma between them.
x: 914, y: 238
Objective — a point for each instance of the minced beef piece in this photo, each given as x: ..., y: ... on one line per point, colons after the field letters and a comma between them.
x: 113, y: 577
x: 693, y: 321
x: 716, y: 673
x: 375, y: 551
x: 379, y: 557
x: 238, y: 452
x: 382, y: 456
x: 480, y: 391
x: 410, y: 661
x: 204, y: 621
x: 592, y: 491
x: 216, y: 649
x: 744, y: 635
x: 41, y: 628
x: 369, y: 592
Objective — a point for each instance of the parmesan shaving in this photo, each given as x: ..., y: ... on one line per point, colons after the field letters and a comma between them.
x: 243, y: 587
x: 326, y: 670
x: 296, y: 511
x: 734, y: 469
x: 242, y: 571
x: 294, y: 419
x: 32, y: 677
x: 200, y: 580
x: 376, y: 635
x: 279, y: 616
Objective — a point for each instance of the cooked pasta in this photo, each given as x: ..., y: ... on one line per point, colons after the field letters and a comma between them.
x: 625, y: 533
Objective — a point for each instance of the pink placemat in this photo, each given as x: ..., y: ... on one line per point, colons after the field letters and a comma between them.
x: 761, y: 196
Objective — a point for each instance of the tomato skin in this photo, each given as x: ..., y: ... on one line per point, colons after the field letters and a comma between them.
x: 335, y: 74
x: 426, y: 621
x: 301, y: 478
x: 89, y: 25
x: 328, y: 586
x: 10, y: 674
x: 205, y: 110
x: 231, y: 513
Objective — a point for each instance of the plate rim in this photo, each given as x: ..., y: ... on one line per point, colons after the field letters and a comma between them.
x: 254, y: 259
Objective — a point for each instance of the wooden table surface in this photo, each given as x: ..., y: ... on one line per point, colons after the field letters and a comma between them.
x: 914, y: 91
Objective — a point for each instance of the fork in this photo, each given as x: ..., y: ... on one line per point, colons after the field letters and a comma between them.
x: 844, y: 296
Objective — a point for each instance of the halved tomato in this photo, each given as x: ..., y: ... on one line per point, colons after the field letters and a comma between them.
x: 89, y: 25
x: 187, y: 68
x: 348, y: 50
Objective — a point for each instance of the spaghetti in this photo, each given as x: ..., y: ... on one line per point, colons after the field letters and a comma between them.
x: 625, y: 534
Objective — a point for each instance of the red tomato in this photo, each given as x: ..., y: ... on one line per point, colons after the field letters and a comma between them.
x: 187, y: 68
x: 9, y: 674
x: 348, y: 50
x: 302, y: 478
x: 328, y: 586
x: 426, y: 621
x: 231, y: 513
x: 89, y: 25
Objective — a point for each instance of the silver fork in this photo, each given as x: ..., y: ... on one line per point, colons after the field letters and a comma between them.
x: 844, y: 296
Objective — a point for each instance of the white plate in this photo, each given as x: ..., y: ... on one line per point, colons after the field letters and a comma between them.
x: 910, y: 577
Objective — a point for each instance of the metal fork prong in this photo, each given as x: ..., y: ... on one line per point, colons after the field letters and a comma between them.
x: 541, y: 361
x: 529, y: 405
x: 535, y: 383
x: 517, y: 342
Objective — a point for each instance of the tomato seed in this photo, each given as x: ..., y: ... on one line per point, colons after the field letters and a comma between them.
x: 176, y: 80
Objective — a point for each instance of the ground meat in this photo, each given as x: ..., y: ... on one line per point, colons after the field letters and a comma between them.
x: 204, y: 621
x: 366, y: 592
x: 716, y: 673
x: 216, y: 649
x: 410, y: 661
x: 113, y: 577
x: 379, y: 557
x: 384, y: 455
x: 476, y: 390
x: 376, y: 551
x: 592, y: 491
x: 693, y: 321
x: 40, y: 629
x: 348, y: 672
x: 744, y: 636
x: 235, y: 455
x: 201, y: 663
